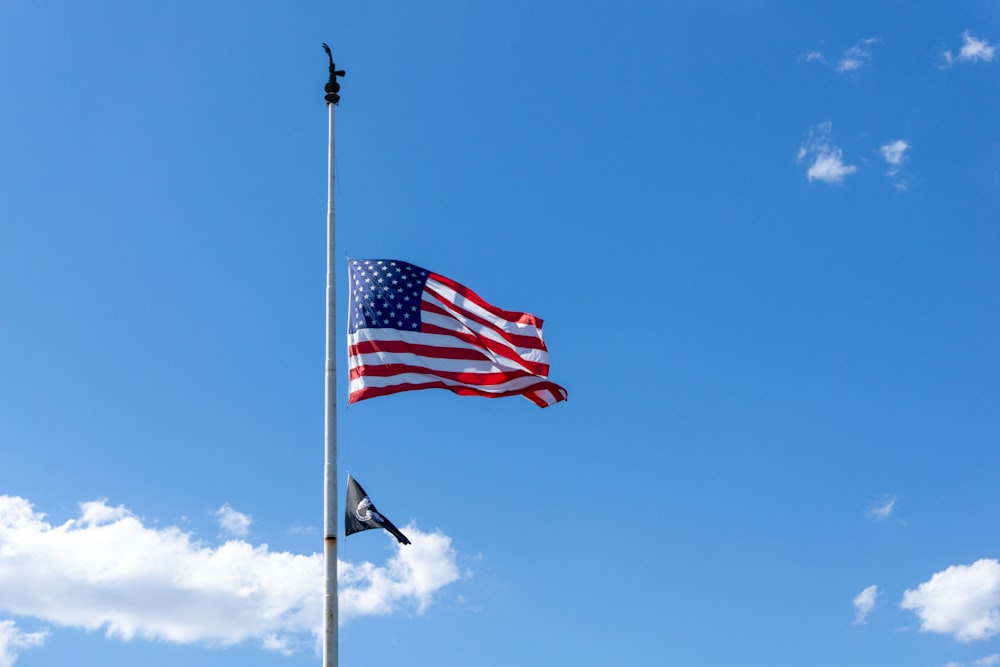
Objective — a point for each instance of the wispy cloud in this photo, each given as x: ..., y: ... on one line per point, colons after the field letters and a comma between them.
x: 299, y: 529
x: 894, y: 154
x: 973, y: 50
x: 857, y: 56
x: 864, y: 602
x: 13, y: 641
x: 882, y: 508
x: 962, y: 600
x: 986, y: 661
x: 826, y: 161
x: 233, y: 522
x: 133, y: 580
x: 815, y: 56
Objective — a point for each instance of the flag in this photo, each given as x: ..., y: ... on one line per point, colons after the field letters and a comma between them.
x: 413, y: 329
x: 360, y: 514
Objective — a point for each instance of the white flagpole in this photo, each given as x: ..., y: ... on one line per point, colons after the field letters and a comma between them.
x: 330, y: 603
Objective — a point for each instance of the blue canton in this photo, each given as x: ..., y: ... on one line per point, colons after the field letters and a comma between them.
x: 385, y: 294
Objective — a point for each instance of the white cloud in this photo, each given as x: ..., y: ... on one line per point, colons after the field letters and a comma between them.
x: 882, y: 509
x: 962, y: 600
x: 414, y: 573
x: 973, y: 49
x: 864, y: 602
x: 299, y: 529
x: 829, y: 167
x: 106, y: 570
x: 857, y: 56
x: 976, y: 49
x: 13, y: 641
x: 233, y: 522
x: 988, y: 660
x: 815, y: 55
x: 827, y: 161
x: 895, y: 153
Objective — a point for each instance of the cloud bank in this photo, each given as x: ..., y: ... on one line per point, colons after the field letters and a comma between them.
x: 962, y: 600
x: 107, y: 570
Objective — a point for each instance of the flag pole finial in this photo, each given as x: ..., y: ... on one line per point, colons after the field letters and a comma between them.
x: 332, y: 86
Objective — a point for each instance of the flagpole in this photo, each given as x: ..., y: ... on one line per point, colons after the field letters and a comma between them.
x: 330, y: 602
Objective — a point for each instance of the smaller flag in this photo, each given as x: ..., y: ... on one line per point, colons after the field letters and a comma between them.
x: 360, y: 514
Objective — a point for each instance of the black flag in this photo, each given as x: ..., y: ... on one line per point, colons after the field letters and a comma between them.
x: 360, y: 514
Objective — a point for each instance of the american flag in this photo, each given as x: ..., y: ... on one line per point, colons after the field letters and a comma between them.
x: 413, y: 329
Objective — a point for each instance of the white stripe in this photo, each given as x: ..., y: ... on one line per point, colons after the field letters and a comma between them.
x: 443, y: 341
x: 432, y: 365
x: 470, y: 327
x: 438, y: 340
x: 468, y: 307
x: 548, y: 396
x: 459, y: 301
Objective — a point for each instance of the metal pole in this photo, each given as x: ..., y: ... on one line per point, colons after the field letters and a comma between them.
x: 330, y: 603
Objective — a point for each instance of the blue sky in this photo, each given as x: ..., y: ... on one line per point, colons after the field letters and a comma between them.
x: 763, y: 238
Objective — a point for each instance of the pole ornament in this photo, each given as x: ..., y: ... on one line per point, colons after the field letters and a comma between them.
x: 332, y: 87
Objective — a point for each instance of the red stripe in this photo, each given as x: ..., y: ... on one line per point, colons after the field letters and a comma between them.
x: 402, y: 347
x: 556, y: 390
x: 473, y: 379
x: 372, y: 392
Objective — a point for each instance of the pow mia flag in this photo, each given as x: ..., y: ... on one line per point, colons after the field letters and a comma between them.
x: 360, y: 514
